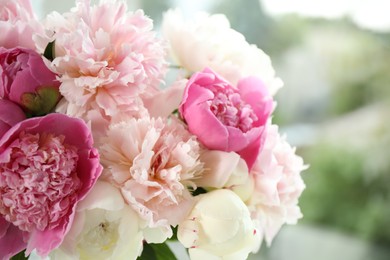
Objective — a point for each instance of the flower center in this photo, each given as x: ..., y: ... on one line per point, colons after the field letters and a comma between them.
x: 231, y: 110
x: 38, y: 183
x: 99, y: 239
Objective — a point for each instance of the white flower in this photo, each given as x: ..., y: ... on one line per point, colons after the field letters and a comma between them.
x: 104, y: 228
x: 209, y: 41
x: 219, y: 227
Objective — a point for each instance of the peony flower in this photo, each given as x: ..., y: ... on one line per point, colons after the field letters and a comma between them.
x: 47, y: 165
x: 10, y: 115
x: 219, y: 227
x: 9, y: 232
x: 104, y: 227
x: 152, y: 161
x: 276, y: 184
x: 163, y: 102
x: 105, y: 56
x: 227, y: 118
x: 18, y: 24
x: 222, y: 170
x: 25, y: 80
x: 208, y: 41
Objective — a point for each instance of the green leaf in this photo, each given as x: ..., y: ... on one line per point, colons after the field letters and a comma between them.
x: 156, y: 252
x: 19, y: 256
x: 49, y: 51
x: 42, y: 102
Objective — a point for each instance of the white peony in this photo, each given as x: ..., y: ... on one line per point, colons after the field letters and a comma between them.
x: 104, y: 228
x: 209, y: 41
x: 219, y: 227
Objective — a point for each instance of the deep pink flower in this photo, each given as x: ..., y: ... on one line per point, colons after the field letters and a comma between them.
x: 227, y: 118
x: 10, y: 115
x: 25, y: 80
x: 47, y: 164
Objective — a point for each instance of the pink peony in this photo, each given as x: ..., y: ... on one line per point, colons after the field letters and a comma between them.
x: 47, y: 165
x: 227, y: 118
x: 277, y: 185
x: 106, y: 57
x: 25, y: 80
x: 18, y: 24
x: 152, y: 161
x: 10, y: 115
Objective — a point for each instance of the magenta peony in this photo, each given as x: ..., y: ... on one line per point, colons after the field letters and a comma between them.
x: 10, y: 115
x: 227, y: 118
x: 47, y: 165
x: 25, y: 80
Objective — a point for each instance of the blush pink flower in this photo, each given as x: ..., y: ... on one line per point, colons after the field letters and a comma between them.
x: 26, y: 81
x: 224, y: 117
x: 47, y: 164
x: 10, y: 115
x: 152, y: 161
x: 105, y: 56
x: 277, y: 185
x: 18, y: 24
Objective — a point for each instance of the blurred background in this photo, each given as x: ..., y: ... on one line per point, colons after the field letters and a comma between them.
x: 334, y: 58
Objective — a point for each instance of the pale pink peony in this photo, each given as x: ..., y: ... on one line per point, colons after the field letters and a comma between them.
x: 18, y: 24
x: 209, y: 41
x: 152, y: 161
x: 226, y: 118
x: 105, y: 56
x: 47, y: 164
x: 277, y: 185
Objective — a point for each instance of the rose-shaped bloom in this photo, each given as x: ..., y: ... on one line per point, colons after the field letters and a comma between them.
x: 104, y: 63
x: 10, y: 115
x: 276, y: 185
x: 47, y: 164
x: 219, y: 227
x: 18, y: 24
x: 25, y: 80
x: 152, y: 161
x: 104, y: 227
x: 224, y: 117
x: 209, y: 41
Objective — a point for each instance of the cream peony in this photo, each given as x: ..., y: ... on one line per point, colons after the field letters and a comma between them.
x: 219, y: 227
x: 152, y: 161
x: 104, y: 228
x: 209, y: 41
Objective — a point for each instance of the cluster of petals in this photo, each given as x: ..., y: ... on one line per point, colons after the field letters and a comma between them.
x: 209, y: 41
x: 277, y: 185
x: 153, y: 162
x: 105, y: 56
x: 47, y: 165
x: 18, y: 24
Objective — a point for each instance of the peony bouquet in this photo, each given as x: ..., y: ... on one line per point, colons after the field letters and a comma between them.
x: 115, y: 141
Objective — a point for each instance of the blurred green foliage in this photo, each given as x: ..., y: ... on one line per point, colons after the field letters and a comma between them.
x: 341, y: 193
